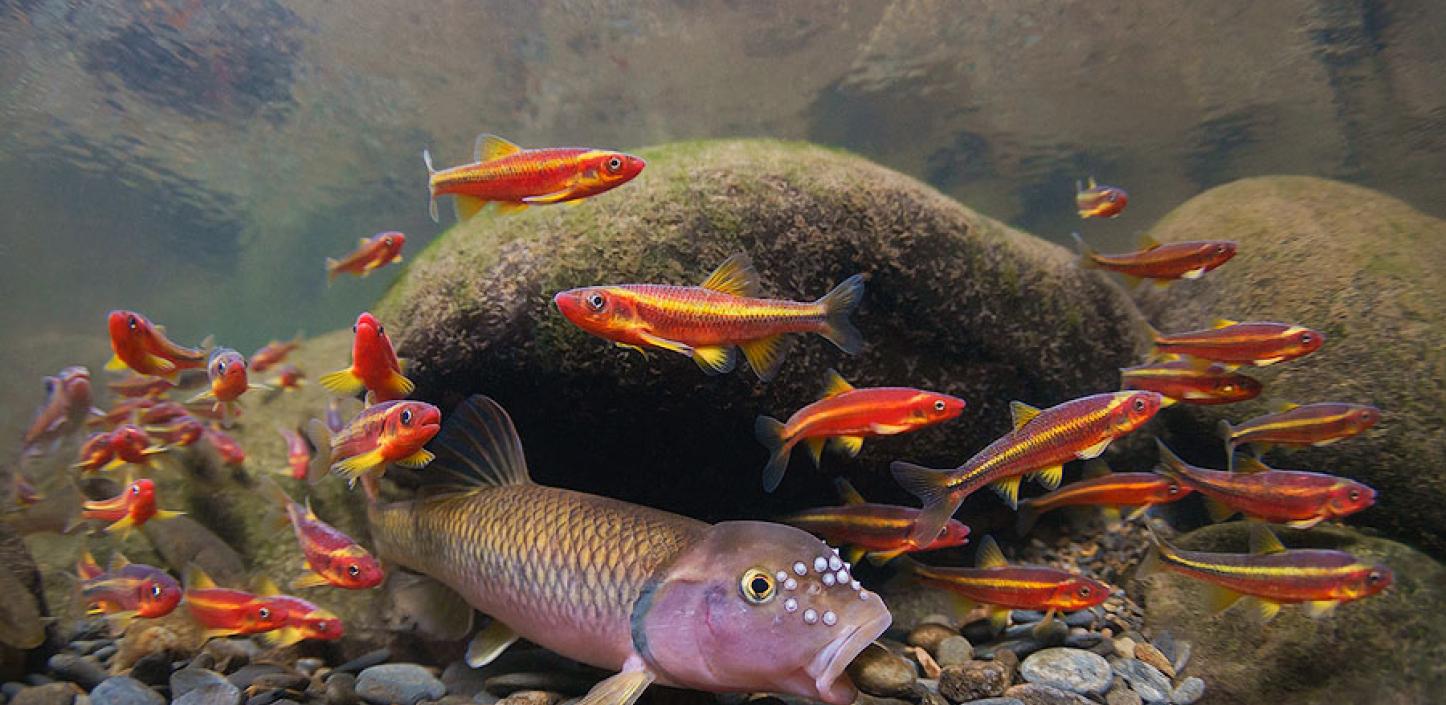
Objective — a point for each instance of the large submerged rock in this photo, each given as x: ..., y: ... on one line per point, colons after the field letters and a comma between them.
x: 1370, y: 272
x: 955, y: 302
x: 1383, y: 649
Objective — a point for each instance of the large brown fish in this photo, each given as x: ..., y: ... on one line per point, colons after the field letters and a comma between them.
x: 733, y: 607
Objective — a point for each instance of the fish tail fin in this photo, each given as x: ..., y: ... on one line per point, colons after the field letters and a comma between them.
x: 932, y: 488
x: 331, y: 270
x: 1086, y: 253
x: 769, y: 432
x: 342, y: 382
x: 1028, y: 515
x: 838, y: 305
x: 431, y: 190
x: 320, y: 437
x: 1227, y: 434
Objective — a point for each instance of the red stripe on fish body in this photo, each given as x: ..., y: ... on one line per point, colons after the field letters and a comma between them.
x: 1291, y: 576
x: 875, y: 527
x: 1173, y: 261
x: 1281, y: 496
x: 871, y: 411
x: 1121, y: 489
x: 1312, y: 424
x: 529, y: 172
x: 1182, y: 380
x: 1018, y: 587
x: 1258, y: 343
x: 702, y: 317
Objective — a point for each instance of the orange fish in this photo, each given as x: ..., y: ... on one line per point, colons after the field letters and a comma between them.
x: 95, y: 452
x: 178, y: 433
x: 288, y: 378
x: 1294, y: 425
x: 126, y: 591
x: 385, y: 433
x: 1110, y: 491
x: 112, y: 450
x: 1099, y: 201
x: 138, y: 385
x: 371, y: 253
x: 227, y: 612
x: 124, y: 411
x: 145, y: 349
x: 1234, y: 344
x: 374, y: 365
x: 67, y: 404
x: 301, y: 619
x: 130, y: 509
x: 845, y: 416
x: 707, y: 322
x: 227, y: 371
x: 1159, y: 263
x: 162, y: 413
x: 880, y: 531
x: 332, y: 557
x: 273, y: 353
x: 515, y: 178
x: 298, y: 453
x: 1188, y: 382
x: 227, y: 447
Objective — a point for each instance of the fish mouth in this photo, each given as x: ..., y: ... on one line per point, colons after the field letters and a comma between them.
x: 831, y: 661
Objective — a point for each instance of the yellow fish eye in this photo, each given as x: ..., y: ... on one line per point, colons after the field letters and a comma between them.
x: 757, y: 586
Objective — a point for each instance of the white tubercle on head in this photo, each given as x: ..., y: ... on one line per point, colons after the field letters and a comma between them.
x: 820, y: 564
x: 810, y: 616
x: 799, y: 568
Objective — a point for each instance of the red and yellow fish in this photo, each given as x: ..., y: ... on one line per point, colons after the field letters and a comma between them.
x: 23, y: 491
x: 1003, y: 588
x: 1161, y: 264
x: 1294, y: 425
x: 1296, y: 498
x: 227, y: 372
x: 371, y: 253
x: 181, y: 432
x: 844, y: 416
x: 1110, y: 491
x: 124, y: 411
x: 382, y: 434
x: 332, y: 557
x: 515, y: 178
x: 298, y: 453
x: 880, y: 531
x: 1039, y: 446
x: 301, y: 620
x: 273, y: 353
x: 95, y: 452
x: 162, y: 412
x: 139, y: 385
x: 112, y: 450
x: 67, y: 404
x: 1234, y: 344
x: 289, y: 378
x: 127, y: 590
x: 1188, y: 382
x: 374, y: 365
x: 1099, y: 201
x: 228, y: 612
x: 145, y: 349
x: 130, y: 509
x: 1272, y: 575
x: 707, y: 322
x: 225, y: 446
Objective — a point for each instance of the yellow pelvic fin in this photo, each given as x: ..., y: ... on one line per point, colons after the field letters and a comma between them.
x: 358, y: 465
x: 114, y: 464
x: 989, y: 555
x: 765, y: 355
x: 848, y: 445
x: 1219, y: 598
x: 510, y: 207
x: 834, y: 384
x: 1022, y: 413
x: 1008, y: 490
x: 467, y: 207
x: 281, y: 638
x: 310, y: 580
x: 1131, y: 281
x: 1320, y: 608
x: 664, y: 343
x: 554, y: 197
x: 489, y: 147
x: 489, y: 643
x: 1263, y: 540
x: 1093, y: 451
x: 962, y: 605
x: 1148, y: 243
x: 1265, y: 610
x: 114, y: 364
x: 852, y: 554
x: 735, y: 276
x: 417, y: 460
x: 1050, y: 477
x: 1191, y: 274
x: 814, y: 446
x: 882, y: 557
x: 847, y: 493
x: 999, y: 618
x: 622, y: 689
x: 164, y: 514
x: 123, y: 525
x: 1223, y: 323
x: 1111, y: 515
x: 716, y: 360
x: 342, y: 382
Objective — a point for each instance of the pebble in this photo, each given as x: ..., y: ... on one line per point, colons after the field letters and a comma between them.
x: 1144, y: 679
x: 882, y: 673
x: 1152, y: 656
x: 1125, y: 647
x: 341, y: 689
x: 47, y: 694
x: 309, y: 665
x: 1027, y: 616
x: 1082, y: 639
x: 265, y: 697
x: 551, y: 681
x: 461, y: 679
x: 244, y: 676
x: 227, y: 655
x: 927, y: 664
x: 1121, y: 694
x: 1019, y: 647
x: 398, y: 684
x: 189, y: 679
x: 1182, y: 656
x: 222, y: 693
x: 929, y: 636
x: 124, y: 690
x: 1082, y: 618
x: 1010, y: 662
x: 531, y: 697
x: 37, y: 679
x: 1036, y: 694
x: 996, y: 701
x: 10, y: 689
x: 1189, y: 690
x: 486, y: 698
x: 365, y: 661
x: 1074, y: 670
x: 104, y: 653
x: 978, y: 632
x: 89, y: 630
x: 973, y: 680
x: 79, y: 670
x: 954, y: 650
x: 280, y: 681
x: 938, y: 618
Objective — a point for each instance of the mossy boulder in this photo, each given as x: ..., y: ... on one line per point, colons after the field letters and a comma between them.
x: 955, y: 302
x: 1384, y: 649
x: 1370, y: 272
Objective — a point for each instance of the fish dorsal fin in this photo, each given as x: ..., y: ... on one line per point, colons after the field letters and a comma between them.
x: 1022, y: 413
x: 834, y: 384
x: 989, y: 555
x: 309, y: 514
x: 491, y: 147
x: 846, y: 491
x: 1148, y: 243
x: 1223, y: 323
x: 197, y: 579
x: 266, y: 588
x: 479, y: 446
x: 1263, y: 540
x: 735, y: 276
x: 1092, y: 183
x: 118, y: 561
x: 1247, y: 464
x: 1283, y: 406
x: 1096, y: 468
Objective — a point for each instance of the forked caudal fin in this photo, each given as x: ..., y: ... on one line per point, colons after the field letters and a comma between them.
x: 932, y: 488
x: 1086, y: 253
x: 769, y: 432
x: 838, y: 305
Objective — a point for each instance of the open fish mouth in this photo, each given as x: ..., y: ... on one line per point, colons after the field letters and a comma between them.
x: 831, y: 661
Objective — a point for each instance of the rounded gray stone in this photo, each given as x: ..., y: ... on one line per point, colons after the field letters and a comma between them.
x: 1189, y: 690
x: 398, y: 684
x: 954, y: 650
x: 189, y: 679
x: 124, y: 690
x: 1146, y: 680
x: 1075, y: 670
x: 222, y: 693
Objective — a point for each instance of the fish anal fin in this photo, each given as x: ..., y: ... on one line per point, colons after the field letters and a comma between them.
x: 1320, y: 608
x: 847, y: 493
x: 1218, y: 511
x: 735, y: 276
x: 1263, y: 540
x: 489, y: 146
x: 510, y: 207
x: 1264, y: 610
x: 834, y: 384
x: 310, y: 580
x: 1008, y: 490
x: 1050, y: 477
x: 989, y: 555
x: 853, y: 554
x: 1219, y: 598
x: 999, y: 618
x: 814, y: 446
x: 765, y: 355
x: 1021, y: 413
x: 489, y: 643
x: 467, y: 207
x: 848, y: 445
x: 1111, y: 516
x: 716, y: 360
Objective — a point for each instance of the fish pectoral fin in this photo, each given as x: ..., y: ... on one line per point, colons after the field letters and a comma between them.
x: 1264, y: 610
x: 115, y: 364
x: 665, y: 344
x: 1008, y: 490
x: 1194, y: 273
x: 853, y: 554
x: 884, y: 429
x: 1094, y: 451
x: 554, y: 197
x: 114, y: 464
x: 814, y: 446
x: 883, y: 557
x: 467, y: 207
x: 1320, y: 608
x: 489, y: 643
x: 1305, y: 523
x: 164, y: 514
x: 510, y: 207
x: 848, y: 445
x: 1268, y: 361
x: 123, y: 525
x: 417, y: 460
x: 1219, y: 598
x: 342, y: 382
x: 1050, y: 477
x: 357, y: 465
x: 716, y: 360
x: 310, y: 580
x: 622, y: 689
x: 1021, y: 413
x: 1218, y: 511
x: 281, y: 638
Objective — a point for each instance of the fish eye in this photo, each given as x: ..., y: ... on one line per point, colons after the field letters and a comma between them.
x: 353, y: 570
x: 387, y: 241
x: 135, y: 489
x: 1139, y: 404
x: 49, y: 385
x: 220, y: 368
x: 940, y: 405
x: 1305, y: 338
x: 353, y: 329
x: 1373, y: 577
x: 757, y: 586
x: 1220, y: 249
x: 1354, y: 494
x: 406, y: 417
x: 595, y: 301
x: 381, y: 331
x: 155, y: 590
x: 264, y: 613
x: 1085, y: 590
x: 132, y: 323
x: 615, y: 164
x: 1173, y: 489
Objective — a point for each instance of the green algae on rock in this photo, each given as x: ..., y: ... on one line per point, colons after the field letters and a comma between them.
x: 1370, y: 272
x: 1383, y: 649
x: 955, y: 302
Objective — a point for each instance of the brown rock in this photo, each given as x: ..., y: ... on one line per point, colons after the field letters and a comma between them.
x: 928, y: 636
x: 1151, y: 655
x: 531, y: 697
x: 1035, y: 694
x: 882, y: 673
x: 973, y: 680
